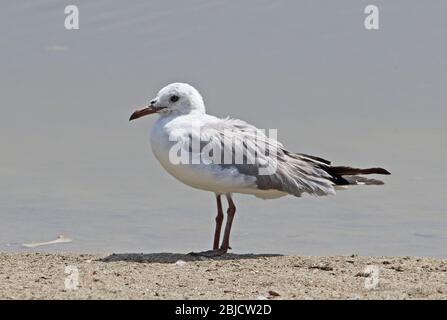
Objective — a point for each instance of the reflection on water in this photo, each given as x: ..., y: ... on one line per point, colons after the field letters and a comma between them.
x: 72, y: 164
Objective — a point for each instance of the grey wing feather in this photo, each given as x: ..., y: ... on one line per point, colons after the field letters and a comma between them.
x: 293, y: 173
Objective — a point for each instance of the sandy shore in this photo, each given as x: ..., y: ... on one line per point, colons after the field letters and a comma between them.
x: 161, y: 276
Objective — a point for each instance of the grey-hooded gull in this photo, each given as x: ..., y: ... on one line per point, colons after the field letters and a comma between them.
x: 227, y: 156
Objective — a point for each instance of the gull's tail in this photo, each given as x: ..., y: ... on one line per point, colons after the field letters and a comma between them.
x: 343, y: 175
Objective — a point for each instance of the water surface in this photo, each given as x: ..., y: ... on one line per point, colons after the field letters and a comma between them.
x: 72, y: 164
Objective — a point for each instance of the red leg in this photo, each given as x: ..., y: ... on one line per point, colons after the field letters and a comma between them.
x: 230, y: 215
x: 216, y: 252
x: 219, y: 219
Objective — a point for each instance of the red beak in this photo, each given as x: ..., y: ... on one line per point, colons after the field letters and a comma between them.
x: 144, y: 112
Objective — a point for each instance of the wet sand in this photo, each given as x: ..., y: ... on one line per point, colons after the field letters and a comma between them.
x: 162, y: 276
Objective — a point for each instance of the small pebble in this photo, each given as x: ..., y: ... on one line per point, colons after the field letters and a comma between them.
x: 180, y: 263
x: 274, y: 293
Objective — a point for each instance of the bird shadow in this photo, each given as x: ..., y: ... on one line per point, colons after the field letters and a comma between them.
x: 166, y: 257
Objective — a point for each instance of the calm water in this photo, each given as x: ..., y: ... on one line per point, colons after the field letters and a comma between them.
x: 72, y: 164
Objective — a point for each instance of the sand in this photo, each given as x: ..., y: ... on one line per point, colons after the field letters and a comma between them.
x: 162, y: 276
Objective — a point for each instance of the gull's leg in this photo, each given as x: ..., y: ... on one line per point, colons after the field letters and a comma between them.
x: 230, y: 215
x: 226, y: 240
x: 219, y: 219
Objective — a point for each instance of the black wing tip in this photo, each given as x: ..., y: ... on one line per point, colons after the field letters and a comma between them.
x: 382, y: 171
x: 315, y: 158
x: 349, y: 171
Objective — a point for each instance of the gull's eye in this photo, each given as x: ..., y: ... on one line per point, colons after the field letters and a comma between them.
x: 174, y: 98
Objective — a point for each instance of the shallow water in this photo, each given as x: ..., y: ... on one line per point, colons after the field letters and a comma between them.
x: 72, y: 164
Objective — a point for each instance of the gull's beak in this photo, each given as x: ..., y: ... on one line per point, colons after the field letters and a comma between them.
x: 144, y: 112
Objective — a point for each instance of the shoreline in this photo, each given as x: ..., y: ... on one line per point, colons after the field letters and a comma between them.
x: 233, y: 276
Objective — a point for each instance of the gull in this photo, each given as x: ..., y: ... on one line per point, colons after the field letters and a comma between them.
x: 264, y: 167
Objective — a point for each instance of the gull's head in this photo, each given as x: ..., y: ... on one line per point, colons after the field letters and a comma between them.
x: 179, y: 98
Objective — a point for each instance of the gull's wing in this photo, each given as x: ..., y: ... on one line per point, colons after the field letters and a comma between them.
x: 265, y: 159
x: 260, y: 162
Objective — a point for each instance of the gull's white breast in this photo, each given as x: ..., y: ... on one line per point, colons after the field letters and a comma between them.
x: 201, y: 176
